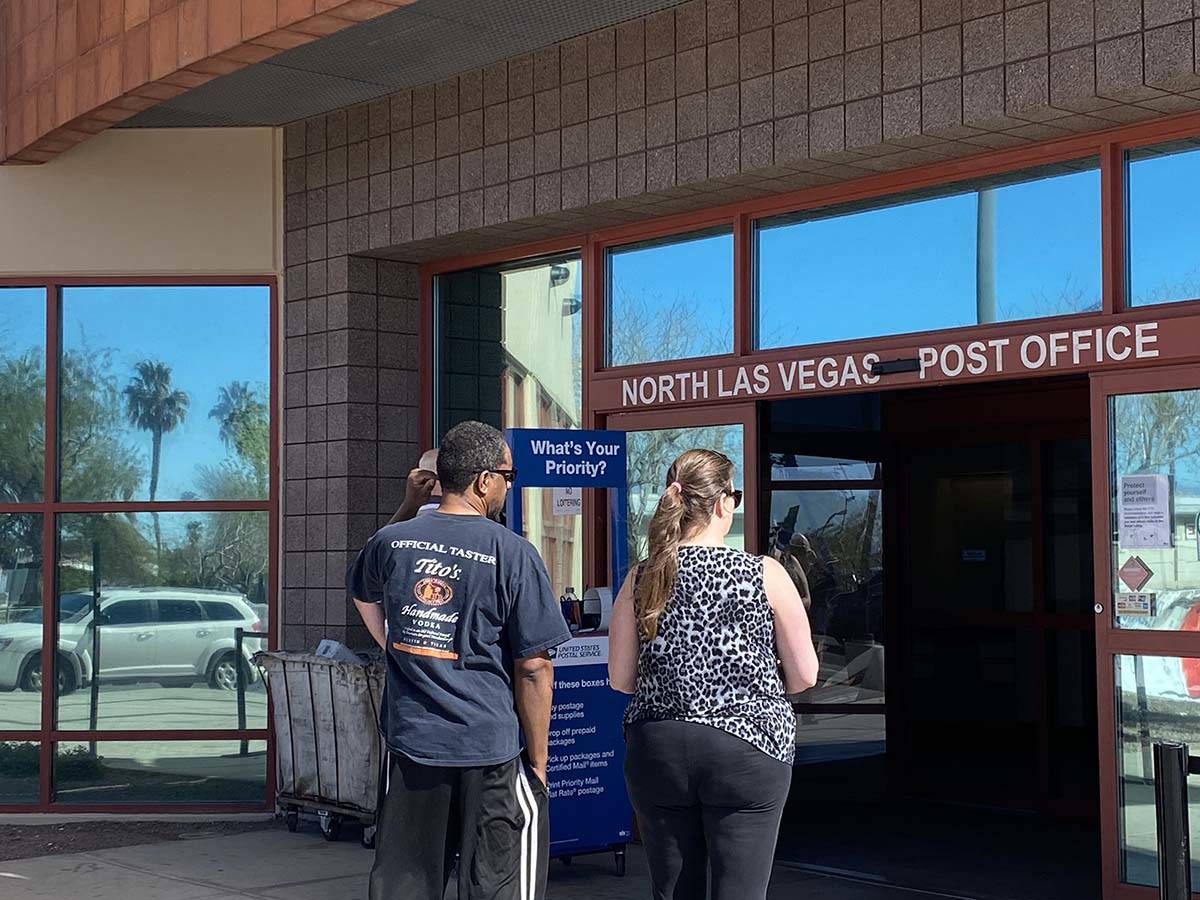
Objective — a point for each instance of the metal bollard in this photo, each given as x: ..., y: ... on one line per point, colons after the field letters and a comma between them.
x: 1171, y: 812
x: 239, y: 641
x: 239, y: 635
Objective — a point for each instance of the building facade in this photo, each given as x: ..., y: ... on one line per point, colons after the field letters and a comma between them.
x: 922, y: 268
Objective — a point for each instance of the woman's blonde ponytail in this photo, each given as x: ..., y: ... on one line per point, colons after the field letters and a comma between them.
x: 695, y: 482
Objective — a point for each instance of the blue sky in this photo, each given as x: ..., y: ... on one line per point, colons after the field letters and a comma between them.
x: 22, y: 320
x: 698, y: 271
x: 209, y: 336
x: 1164, y: 244
x: 911, y: 268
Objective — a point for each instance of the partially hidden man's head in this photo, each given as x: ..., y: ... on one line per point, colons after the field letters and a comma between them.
x: 474, y: 462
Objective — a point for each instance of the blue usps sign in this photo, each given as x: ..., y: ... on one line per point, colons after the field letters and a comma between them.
x: 589, y: 805
x: 562, y: 457
x: 556, y: 457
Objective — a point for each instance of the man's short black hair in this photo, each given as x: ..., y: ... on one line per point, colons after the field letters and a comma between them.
x: 468, y: 449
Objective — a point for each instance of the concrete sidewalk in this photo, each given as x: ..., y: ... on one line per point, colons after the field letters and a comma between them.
x: 276, y: 865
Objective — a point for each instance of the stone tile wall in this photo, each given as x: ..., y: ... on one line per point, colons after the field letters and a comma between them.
x: 350, y: 423
x: 707, y: 102
x: 719, y: 100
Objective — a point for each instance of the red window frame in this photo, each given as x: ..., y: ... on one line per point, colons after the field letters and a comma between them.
x: 48, y: 735
x: 601, y: 384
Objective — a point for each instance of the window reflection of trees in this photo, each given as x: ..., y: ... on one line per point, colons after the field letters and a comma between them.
x: 654, y: 328
x: 650, y: 454
x: 1157, y: 433
x: 225, y: 551
x: 100, y: 459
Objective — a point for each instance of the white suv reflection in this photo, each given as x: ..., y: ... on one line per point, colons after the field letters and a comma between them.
x: 161, y: 635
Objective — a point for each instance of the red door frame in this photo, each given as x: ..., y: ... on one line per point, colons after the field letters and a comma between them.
x: 1111, y: 641
x: 49, y: 507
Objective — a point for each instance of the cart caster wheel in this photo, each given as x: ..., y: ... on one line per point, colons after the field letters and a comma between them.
x: 331, y: 826
x: 368, y: 837
x: 293, y: 820
x: 620, y: 854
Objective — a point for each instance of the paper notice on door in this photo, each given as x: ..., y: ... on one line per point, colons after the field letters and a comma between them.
x: 1144, y: 512
x: 568, y: 501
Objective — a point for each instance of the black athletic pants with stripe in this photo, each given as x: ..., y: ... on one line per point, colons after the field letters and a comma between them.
x: 495, y: 817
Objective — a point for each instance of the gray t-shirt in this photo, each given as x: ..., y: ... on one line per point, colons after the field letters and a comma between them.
x: 464, y: 597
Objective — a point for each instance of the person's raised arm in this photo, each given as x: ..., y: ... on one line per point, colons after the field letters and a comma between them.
x: 533, y: 693
x: 623, y: 641
x: 793, y: 637
x: 417, y: 490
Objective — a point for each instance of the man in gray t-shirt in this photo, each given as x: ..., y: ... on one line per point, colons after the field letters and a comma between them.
x: 464, y: 611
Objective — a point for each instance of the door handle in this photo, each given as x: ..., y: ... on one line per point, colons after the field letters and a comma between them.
x: 203, y: 632
x: 145, y: 635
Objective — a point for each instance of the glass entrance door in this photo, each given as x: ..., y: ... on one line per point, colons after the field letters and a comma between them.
x: 825, y: 525
x: 655, y: 440
x: 1146, y: 447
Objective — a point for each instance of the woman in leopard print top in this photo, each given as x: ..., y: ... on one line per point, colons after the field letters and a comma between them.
x: 709, y: 640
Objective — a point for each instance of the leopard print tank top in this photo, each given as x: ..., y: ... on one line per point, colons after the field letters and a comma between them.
x: 713, y: 661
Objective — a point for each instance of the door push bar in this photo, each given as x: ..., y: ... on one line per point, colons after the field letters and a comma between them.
x: 1172, y: 765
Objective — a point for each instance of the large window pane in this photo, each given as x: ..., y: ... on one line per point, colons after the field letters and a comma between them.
x: 650, y: 454
x: 1157, y: 700
x: 161, y: 772
x: 831, y: 543
x: 174, y: 588
x: 165, y: 393
x: 1013, y: 248
x: 19, y: 767
x: 670, y: 299
x: 1164, y: 255
x: 20, y: 622
x: 509, y: 353
x: 22, y: 393
x: 509, y: 346
x: 1155, y: 454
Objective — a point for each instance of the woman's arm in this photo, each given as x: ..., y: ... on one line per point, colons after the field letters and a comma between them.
x: 623, y: 641
x: 793, y: 639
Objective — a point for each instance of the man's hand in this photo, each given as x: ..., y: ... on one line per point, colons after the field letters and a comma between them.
x: 540, y: 772
x: 417, y: 491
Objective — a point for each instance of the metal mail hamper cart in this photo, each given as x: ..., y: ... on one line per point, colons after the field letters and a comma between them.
x: 329, y: 750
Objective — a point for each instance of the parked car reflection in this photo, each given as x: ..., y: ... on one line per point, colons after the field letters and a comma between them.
x: 162, y: 635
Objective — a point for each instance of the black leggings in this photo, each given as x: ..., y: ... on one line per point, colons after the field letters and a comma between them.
x: 705, y: 798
